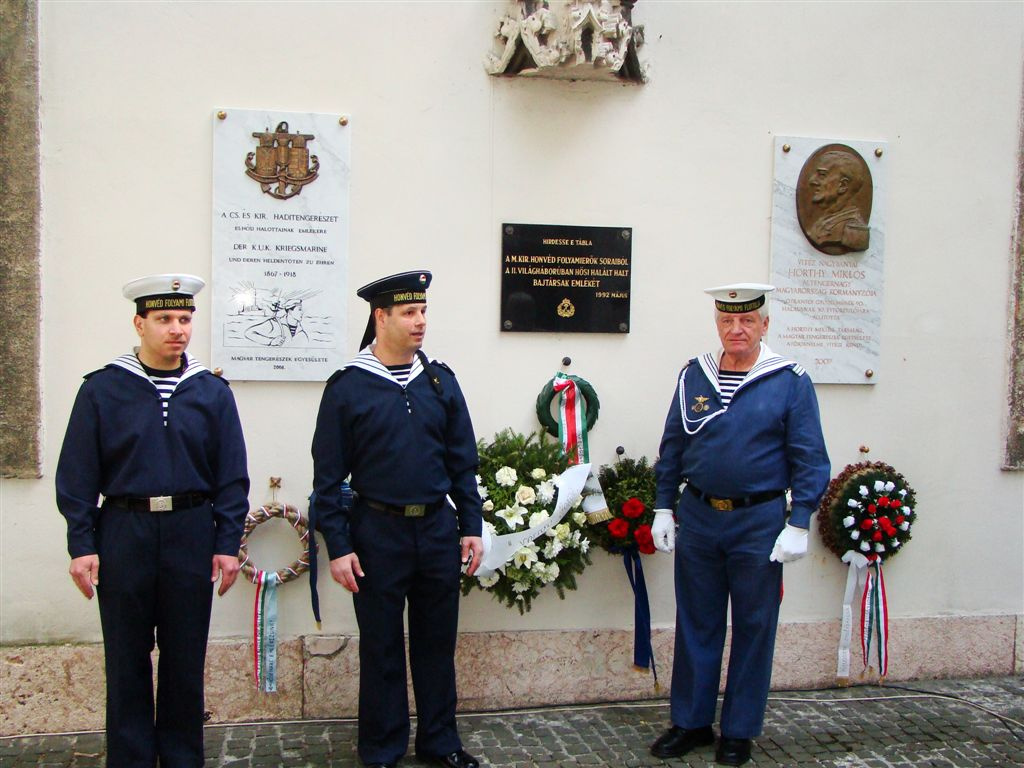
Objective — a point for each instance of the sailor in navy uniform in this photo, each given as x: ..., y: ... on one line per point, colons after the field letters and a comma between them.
x: 158, y: 436
x: 398, y: 424
x: 743, y: 427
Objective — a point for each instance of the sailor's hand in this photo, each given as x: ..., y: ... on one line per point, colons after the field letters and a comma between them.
x: 85, y: 572
x: 345, y: 569
x: 472, y: 553
x: 227, y: 567
x: 791, y: 545
x: 663, y: 530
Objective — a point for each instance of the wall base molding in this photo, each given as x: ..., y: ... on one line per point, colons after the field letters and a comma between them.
x: 55, y: 688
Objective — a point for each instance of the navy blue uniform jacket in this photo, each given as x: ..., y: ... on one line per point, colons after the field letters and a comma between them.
x: 117, y: 445
x: 401, y: 446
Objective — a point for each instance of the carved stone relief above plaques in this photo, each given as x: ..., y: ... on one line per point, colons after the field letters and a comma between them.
x: 568, y: 40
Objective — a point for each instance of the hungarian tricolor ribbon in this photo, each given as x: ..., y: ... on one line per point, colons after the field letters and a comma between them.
x: 572, y: 420
x: 264, y: 631
x: 874, y: 618
x: 874, y: 615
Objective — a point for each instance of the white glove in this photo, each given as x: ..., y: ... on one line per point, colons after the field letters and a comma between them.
x: 663, y: 529
x: 791, y: 545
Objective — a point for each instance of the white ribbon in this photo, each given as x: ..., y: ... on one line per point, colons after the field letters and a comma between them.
x: 498, y: 550
x: 856, y: 576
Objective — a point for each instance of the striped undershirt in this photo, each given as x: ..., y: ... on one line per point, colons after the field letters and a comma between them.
x: 727, y: 383
x: 401, y: 372
x: 165, y: 382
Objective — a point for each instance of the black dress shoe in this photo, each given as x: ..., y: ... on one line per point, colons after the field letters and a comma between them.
x: 458, y: 759
x: 677, y: 741
x: 732, y: 751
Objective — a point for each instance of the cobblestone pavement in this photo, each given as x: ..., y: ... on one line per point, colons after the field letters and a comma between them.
x: 949, y: 723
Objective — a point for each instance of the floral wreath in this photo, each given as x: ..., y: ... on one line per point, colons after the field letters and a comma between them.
x: 547, y: 395
x: 868, y: 508
x: 517, y: 485
x: 629, y: 489
x: 260, y: 516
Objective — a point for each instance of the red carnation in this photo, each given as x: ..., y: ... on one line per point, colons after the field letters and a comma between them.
x: 900, y: 519
x: 633, y: 508
x: 644, y: 539
x: 885, y: 522
x: 895, y: 503
x: 866, y: 524
x: 619, y: 528
x: 884, y: 501
x: 872, y: 508
x: 876, y: 536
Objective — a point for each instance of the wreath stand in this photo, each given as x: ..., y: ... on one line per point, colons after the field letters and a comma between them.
x: 265, y: 607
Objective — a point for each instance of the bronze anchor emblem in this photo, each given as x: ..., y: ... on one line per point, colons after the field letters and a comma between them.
x: 281, y: 163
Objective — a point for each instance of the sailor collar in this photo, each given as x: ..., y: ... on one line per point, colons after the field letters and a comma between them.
x: 697, y: 414
x: 368, y: 362
x: 131, y: 364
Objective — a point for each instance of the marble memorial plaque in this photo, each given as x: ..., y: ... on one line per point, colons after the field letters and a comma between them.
x: 280, y: 244
x: 827, y: 251
x: 565, y: 279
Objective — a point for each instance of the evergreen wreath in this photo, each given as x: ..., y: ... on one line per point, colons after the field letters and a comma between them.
x: 629, y: 489
x: 868, y: 508
x: 547, y: 396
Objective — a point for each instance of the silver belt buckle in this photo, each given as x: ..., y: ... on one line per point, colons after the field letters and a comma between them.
x: 161, y: 503
x: 415, y: 510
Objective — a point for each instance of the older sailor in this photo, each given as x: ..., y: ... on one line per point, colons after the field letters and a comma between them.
x: 742, y: 428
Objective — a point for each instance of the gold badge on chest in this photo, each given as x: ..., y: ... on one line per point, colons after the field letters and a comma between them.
x: 701, y: 404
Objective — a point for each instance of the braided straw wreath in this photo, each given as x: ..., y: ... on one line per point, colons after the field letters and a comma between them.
x: 261, y: 515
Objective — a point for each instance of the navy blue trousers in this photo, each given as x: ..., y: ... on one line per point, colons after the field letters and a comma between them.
x: 722, y: 557
x: 155, y: 582
x: 415, y: 561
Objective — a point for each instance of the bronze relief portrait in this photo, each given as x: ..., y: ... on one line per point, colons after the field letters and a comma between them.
x: 833, y: 200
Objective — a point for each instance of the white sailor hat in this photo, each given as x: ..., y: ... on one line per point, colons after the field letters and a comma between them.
x: 740, y: 297
x: 171, y: 291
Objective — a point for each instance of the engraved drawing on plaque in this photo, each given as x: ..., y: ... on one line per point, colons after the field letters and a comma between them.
x: 274, y: 317
x: 281, y: 163
x: 833, y: 200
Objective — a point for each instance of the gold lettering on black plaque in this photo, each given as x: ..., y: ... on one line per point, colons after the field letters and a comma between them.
x: 281, y: 163
x: 833, y: 200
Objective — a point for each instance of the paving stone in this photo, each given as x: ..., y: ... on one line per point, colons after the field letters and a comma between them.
x: 886, y: 727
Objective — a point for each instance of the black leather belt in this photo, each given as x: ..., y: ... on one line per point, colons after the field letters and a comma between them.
x: 406, y: 510
x: 727, y: 505
x: 158, y: 503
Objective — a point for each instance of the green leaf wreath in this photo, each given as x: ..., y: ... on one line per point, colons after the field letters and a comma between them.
x: 629, y: 489
x: 517, y: 483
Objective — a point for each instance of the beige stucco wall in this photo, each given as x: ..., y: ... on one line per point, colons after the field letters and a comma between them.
x: 442, y: 154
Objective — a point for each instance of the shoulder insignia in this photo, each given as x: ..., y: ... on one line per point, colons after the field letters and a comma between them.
x: 444, y: 365
x: 798, y: 369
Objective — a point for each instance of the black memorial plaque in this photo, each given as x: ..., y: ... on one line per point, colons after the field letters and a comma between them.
x: 565, y: 279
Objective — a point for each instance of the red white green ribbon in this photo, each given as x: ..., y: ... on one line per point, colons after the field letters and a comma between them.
x: 874, y: 618
x: 572, y: 421
x: 874, y: 615
x: 264, y: 631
